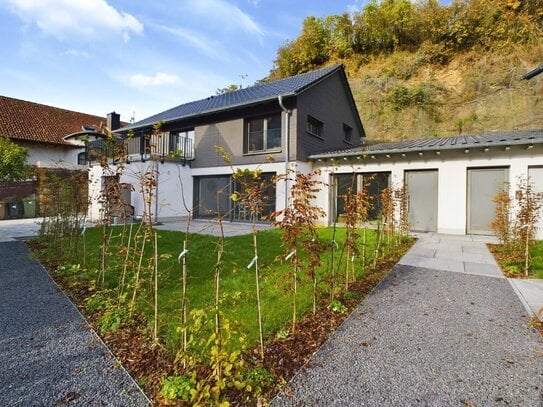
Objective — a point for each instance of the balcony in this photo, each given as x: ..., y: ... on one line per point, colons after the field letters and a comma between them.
x: 163, y: 147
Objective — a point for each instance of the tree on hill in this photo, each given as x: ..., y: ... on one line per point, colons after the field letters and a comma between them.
x: 422, y: 69
x: 13, y: 165
x: 386, y: 26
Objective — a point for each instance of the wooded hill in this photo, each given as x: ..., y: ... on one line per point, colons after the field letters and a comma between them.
x: 421, y: 69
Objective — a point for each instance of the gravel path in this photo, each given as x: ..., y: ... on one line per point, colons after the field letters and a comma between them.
x: 428, y: 338
x: 48, y: 354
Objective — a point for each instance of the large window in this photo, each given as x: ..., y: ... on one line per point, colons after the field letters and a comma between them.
x: 314, y: 127
x: 263, y: 134
x: 372, y: 183
x: 212, y: 197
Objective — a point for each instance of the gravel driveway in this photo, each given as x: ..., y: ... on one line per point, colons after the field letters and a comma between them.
x: 48, y: 354
x: 428, y: 338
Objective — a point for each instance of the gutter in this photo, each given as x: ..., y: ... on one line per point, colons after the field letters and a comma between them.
x: 287, y: 145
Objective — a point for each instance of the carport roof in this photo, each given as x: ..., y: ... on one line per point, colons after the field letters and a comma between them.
x: 504, y: 139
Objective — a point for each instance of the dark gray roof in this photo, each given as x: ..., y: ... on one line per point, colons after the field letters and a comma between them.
x: 291, y: 86
x: 534, y: 72
x: 509, y: 138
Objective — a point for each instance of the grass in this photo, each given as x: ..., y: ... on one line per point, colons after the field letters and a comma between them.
x: 537, y: 260
x: 237, y: 283
x: 511, y: 260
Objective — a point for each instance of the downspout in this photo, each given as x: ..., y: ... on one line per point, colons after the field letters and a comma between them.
x: 287, y: 145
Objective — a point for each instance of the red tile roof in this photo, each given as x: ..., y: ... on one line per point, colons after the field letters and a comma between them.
x: 23, y: 120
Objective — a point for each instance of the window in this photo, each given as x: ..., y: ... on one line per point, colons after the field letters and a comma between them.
x: 347, y: 133
x: 263, y: 133
x: 82, y: 158
x: 373, y: 183
x: 212, y: 198
x: 314, y: 126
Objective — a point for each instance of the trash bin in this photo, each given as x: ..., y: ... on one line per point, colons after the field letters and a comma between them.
x: 2, y: 210
x: 15, y: 210
x: 29, y: 206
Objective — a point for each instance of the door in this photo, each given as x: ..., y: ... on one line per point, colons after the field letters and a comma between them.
x: 483, y: 185
x: 422, y: 200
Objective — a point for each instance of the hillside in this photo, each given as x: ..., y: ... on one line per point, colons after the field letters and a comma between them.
x: 422, y: 69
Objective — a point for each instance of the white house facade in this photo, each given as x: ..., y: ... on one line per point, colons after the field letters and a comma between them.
x: 450, y: 182
x: 306, y: 123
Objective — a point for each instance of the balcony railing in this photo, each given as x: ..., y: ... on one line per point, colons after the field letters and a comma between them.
x: 164, y: 147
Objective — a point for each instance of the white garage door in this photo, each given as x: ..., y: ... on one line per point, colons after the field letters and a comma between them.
x: 483, y: 185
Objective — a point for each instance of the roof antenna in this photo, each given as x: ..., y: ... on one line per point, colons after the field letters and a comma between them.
x: 133, y: 118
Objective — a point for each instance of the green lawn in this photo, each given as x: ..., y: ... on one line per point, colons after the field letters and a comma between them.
x: 537, y: 260
x: 511, y: 259
x: 237, y: 283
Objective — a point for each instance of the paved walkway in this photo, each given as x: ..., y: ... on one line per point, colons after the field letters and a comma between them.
x: 14, y: 229
x: 445, y: 328
x: 49, y: 356
x: 211, y: 227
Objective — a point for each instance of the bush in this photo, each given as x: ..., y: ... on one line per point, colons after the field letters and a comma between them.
x: 178, y: 387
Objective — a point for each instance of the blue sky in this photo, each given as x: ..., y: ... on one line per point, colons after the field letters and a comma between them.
x: 141, y: 56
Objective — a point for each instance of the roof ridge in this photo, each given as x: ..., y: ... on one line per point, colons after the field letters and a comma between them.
x: 50, y: 106
x: 291, y: 85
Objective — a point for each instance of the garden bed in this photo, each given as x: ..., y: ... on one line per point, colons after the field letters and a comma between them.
x: 150, y: 360
x: 511, y: 260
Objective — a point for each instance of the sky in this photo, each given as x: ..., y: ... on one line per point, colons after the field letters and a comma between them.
x: 141, y: 57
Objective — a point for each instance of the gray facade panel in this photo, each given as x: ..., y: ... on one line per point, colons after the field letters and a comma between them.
x: 328, y: 102
x: 230, y: 134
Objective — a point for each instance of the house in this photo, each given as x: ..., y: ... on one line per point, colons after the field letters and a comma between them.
x: 273, y: 126
x: 54, y: 139
x: 450, y: 182
x: 310, y: 122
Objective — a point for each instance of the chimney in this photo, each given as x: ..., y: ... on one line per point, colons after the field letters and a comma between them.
x: 113, y: 121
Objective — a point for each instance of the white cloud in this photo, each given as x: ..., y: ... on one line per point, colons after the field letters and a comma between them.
x: 224, y: 14
x: 77, y: 53
x: 160, y: 78
x: 198, y: 41
x: 90, y: 19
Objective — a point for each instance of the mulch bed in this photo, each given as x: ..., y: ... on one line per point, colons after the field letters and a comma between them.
x: 148, y: 362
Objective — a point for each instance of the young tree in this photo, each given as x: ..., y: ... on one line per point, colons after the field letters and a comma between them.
x: 13, y: 165
x: 298, y: 225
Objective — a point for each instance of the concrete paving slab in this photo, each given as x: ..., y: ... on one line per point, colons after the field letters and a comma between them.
x: 530, y: 292
x: 483, y: 269
x: 422, y: 251
x: 475, y: 248
x: 432, y: 263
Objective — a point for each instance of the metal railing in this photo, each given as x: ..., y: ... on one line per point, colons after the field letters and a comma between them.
x: 162, y: 147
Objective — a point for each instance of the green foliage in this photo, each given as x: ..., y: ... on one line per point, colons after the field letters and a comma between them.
x: 337, y: 306
x: 111, y: 319
x: 13, y: 165
x: 387, y: 26
x: 69, y: 269
x: 423, y: 95
x: 228, y: 89
x: 97, y: 302
x: 178, y: 387
x: 222, y: 353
